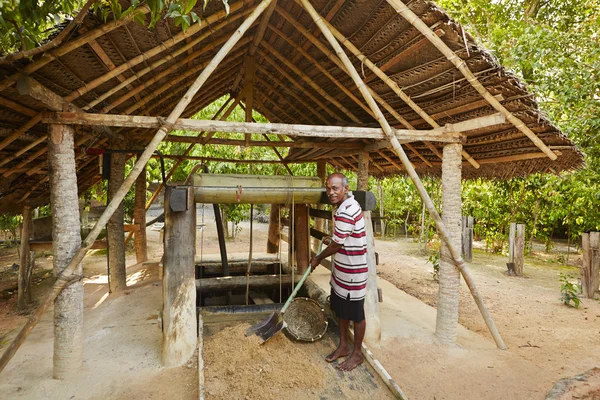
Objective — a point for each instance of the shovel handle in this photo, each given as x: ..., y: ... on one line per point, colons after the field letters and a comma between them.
x: 295, y: 291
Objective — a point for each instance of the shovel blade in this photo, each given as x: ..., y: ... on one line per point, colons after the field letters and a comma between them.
x: 267, y: 327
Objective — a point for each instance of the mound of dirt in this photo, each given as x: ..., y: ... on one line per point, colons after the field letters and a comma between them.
x: 239, y: 367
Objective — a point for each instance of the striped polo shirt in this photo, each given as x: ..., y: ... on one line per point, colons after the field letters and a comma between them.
x: 349, y: 273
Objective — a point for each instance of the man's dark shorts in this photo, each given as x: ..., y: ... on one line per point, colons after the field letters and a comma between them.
x: 346, y: 309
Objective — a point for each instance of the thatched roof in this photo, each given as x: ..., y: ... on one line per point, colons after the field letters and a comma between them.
x: 295, y: 81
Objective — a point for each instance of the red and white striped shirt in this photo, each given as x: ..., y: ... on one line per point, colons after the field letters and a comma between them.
x: 350, y: 270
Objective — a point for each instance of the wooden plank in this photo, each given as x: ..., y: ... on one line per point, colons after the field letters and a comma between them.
x: 301, y: 237
x: 441, y: 134
x: 274, y: 238
x: 179, y: 289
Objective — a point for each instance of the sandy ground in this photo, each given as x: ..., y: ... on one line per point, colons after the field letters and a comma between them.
x: 547, y: 341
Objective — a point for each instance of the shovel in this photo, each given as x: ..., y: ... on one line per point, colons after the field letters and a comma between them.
x: 267, y: 328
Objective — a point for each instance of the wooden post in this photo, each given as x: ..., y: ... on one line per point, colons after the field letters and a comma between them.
x: 449, y: 276
x: 590, y: 269
x: 139, y: 217
x: 117, y: 277
x: 467, y: 238
x: 516, y: 247
x: 301, y: 237
x: 179, y: 286
x: 23, y: 284
x: 274, y: 236
x: 373, y: 330
x: 320, y: 222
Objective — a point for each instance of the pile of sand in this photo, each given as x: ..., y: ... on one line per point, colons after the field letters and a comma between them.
x: 239, y: 367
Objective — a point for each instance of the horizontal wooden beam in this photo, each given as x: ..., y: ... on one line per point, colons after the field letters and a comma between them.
x: 464, y: 126
x: 442, y: 134
x: 264, y: 143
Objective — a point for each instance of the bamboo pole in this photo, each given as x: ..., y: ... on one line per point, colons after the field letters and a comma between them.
x: 171, y: 56
x: 388, y: 81
x: 455, y: 253
x: 68, y: 47
x: 167, y: 44
x: 331, y: 56
x: 66, y: 275
x: 461, y: 65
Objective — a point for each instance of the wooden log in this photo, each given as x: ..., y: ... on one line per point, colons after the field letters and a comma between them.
x: 467, y: 238
x: 519, y: 252
x: 590, y: 268
x: 444, y: 233
x: 442, y: 134
x: 23, y: 284
x: 139, y: 217
x: 301, y: 237
x: 321, y: 214
x: 256, y: 189
x: 274, y: 233
x: 179, y: 291
x: 226, y: 283
x: 64, y: 278
x: 115, y: 229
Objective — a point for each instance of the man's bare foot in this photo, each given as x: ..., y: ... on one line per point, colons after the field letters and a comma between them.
x: 339, y: 352
x: 355, y: 359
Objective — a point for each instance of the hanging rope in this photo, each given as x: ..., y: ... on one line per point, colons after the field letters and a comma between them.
x: 249, y: 257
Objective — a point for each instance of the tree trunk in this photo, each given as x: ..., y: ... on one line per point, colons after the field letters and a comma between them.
x: 68, y: 306
x: 449, y: 275
x: 116, y: 232
x: 139, y: 217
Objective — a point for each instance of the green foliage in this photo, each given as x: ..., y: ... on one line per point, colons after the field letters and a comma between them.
x: 10, y: 224
x: 24, y: 24
x: 434, y: 260
x: 568, y: 291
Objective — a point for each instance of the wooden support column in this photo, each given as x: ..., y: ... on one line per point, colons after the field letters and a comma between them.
x: 139, y: 217
x: 179, y: 286
x: 373, y: 330
x: 24, y: 284
x: 301, y: 237
x: 449, y: 275
x: 274, y: 236
x: 320, y: 222
x: 590, y: 269
x: 516, y: 247
x: 68, y: 306
x: 117, y: 276
x: 467, y: 238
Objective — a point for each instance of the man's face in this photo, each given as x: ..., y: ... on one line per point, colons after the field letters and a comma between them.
x: 336, y: 191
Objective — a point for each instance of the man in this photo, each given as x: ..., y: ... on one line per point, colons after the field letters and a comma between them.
x: 349, y: 270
